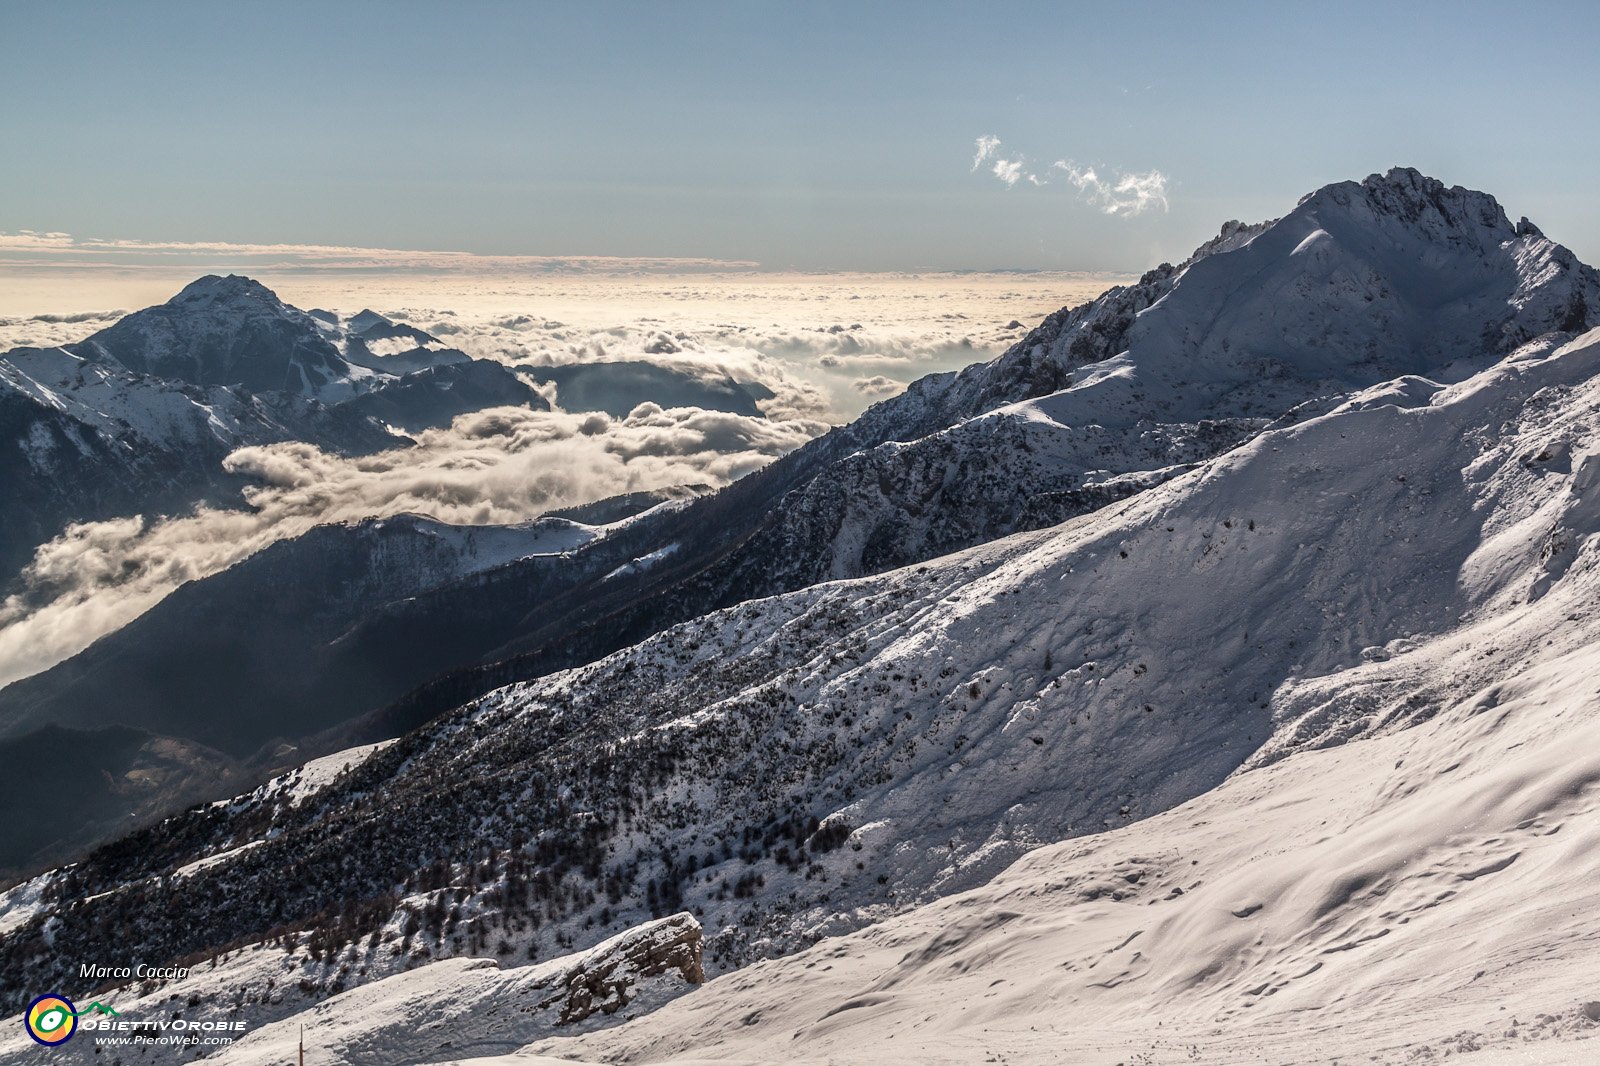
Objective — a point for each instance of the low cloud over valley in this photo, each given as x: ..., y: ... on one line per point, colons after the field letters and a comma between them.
x: 815, y: 350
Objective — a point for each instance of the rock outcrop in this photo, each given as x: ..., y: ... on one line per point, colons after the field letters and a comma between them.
x: 604, y: 979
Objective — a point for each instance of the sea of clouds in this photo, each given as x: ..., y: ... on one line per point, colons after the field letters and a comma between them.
x: 823, y: 346
x: 501, y: 465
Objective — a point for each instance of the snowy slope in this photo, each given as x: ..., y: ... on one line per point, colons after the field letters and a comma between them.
x: 459, y: 1007
x: 136, y: 409
x: 474, y: 1006
x: 1258, y: 328
x: 1390, y: 900
x: 1360, y: 283
x: 1393, y: 900
x: 1397, y: 270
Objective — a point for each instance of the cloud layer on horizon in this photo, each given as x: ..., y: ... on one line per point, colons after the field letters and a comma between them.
x: 33, y: 248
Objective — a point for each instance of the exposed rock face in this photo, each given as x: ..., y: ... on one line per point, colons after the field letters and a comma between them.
x: 604, y: 980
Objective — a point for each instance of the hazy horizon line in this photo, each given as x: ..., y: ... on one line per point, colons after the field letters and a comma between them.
x: 55, y: 252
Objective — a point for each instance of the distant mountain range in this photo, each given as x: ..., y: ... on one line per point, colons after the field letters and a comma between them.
x: 138, y: 418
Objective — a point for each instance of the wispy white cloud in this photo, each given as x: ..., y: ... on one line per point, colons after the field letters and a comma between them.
x: 877, y: 386
x: 1123, y: 193
x: 1008, y: 170
x: 986, y: 146
x: 34, y: 240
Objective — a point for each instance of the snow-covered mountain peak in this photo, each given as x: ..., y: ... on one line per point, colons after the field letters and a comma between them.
x: 1234, y: 234
x: 225, y: 331
x: 365, y: 319
x: 1402, y: 199
x: 1360, y: 282
x: 1398, y: 273
x: 233, y: 289
x: 1408, y: 194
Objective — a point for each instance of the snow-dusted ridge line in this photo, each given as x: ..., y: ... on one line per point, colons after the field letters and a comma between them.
x: 475, y: 1006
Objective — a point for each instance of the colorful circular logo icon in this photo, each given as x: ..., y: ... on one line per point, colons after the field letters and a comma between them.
x: 51, y: 1020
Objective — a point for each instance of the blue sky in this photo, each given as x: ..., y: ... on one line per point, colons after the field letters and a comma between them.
x: 816, y: 136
